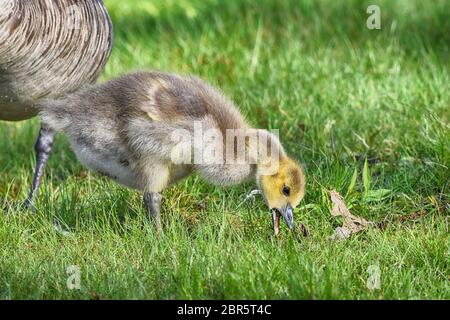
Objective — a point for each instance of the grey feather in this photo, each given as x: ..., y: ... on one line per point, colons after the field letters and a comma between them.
x: 47, y: 48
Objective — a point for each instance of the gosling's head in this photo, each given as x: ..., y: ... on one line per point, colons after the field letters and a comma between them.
x: 283, y: 189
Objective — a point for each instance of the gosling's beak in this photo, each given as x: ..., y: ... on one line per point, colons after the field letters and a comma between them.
x: 288, y: 215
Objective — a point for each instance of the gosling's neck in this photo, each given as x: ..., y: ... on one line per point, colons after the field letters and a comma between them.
x: 246, y: 154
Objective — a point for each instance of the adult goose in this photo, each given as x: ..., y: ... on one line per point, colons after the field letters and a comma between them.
x: 48, y: 48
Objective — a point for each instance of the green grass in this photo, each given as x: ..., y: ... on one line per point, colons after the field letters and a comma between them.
x: 339, y: 94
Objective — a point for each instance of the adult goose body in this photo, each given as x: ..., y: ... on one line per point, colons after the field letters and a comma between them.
x: 48, y: 48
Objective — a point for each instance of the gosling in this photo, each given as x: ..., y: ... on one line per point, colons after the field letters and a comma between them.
x: 148, y: 130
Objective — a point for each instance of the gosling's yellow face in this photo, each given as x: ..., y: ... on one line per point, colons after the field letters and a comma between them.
x: 283, y: 191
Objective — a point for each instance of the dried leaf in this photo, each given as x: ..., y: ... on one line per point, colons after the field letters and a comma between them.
x: 352, y: 224
x: 341, y: 233
x: 303, y: 230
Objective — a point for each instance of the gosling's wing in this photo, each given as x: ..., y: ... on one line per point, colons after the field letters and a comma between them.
x: 171, y: 98
x: 167, y: 97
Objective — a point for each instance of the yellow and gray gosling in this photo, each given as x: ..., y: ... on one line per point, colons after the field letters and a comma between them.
x: 133, y: 128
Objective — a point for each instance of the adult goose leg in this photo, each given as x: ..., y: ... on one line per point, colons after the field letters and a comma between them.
x: 43, y: 148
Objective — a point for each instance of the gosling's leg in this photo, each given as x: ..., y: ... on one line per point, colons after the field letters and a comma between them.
x: 43, y: 148
x: 152, y: 202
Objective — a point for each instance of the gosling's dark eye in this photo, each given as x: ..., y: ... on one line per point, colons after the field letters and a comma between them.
x: 286, y: 191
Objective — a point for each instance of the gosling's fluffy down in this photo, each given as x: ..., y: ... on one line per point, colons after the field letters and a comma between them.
x: 123, y: 128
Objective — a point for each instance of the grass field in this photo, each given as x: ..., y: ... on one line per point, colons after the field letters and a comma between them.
x: 338, y: 92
